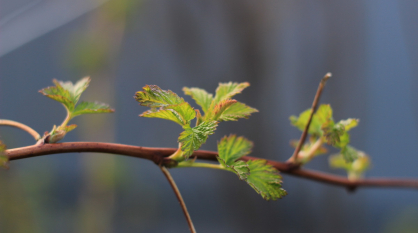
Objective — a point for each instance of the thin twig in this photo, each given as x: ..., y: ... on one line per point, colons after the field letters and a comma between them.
x: 179, y: 198
x: 21, y: 126
x: 158, y: 154
x: 294, y: 158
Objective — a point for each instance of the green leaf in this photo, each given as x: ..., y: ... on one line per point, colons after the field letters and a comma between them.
x: 69, y: 128
x: 239, y: 167
x: 265, y: 180
x: 355, y: 168
x: 227, y: 90
x: 333, y: 132
x: 59, y: 94
x: 349, y: 123
x: 182, y: 113
x: 219, y: 109
x: 349, y: 153
x: 322, y: 116
x: 152, y: 96
x: 236, y: 111
x: 232, y: 148
x: 192, y: 138
x: 4, y: 160
x: 90, y: 107
x: 202, y: 98
x: 75, y: 90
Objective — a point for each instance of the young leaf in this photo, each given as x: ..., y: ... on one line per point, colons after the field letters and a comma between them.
x: 75, y: 90
x: 242, y: 169
x: 227, y: 90
x: 232, y: 148
x: 349, y: 123
x: 322, y: 116
x: 152, y: 96
x: 265, y: 180
x: 90, y: 107
x: 202, y: 98
x: 192, y: 138
x: 349, y: 153
x: 59, y: 94
x: 356, y: 168
x: 236, y: 111
x: 4, y: 160
x: 181, y: 113
x: 220, y: 108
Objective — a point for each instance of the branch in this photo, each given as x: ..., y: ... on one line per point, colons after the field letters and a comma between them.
x: 179, y: 198
x: 294, y: 158
x: 22, y: 127
x: 158, y: 156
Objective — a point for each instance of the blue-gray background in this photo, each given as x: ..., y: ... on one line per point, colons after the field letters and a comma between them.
x: 282, y: 48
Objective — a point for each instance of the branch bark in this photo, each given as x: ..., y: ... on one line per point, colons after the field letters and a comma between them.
x: 158, y: 156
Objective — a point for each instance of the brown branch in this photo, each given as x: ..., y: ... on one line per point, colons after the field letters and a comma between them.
x: 22, y: 127
x: 294, y: 158
x: 158, y: 156
x: 179, y: 198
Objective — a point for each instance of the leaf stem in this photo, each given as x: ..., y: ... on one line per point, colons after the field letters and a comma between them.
x: 21, y: 126
x: 204, y: 165
x: 179, y: 198
x: 177, y: 155
x: 67, y: 119
x: 294, y: 158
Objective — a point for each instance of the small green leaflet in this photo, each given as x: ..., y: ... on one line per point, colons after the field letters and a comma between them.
x: 236, y: 111
x: 349, y: 153
x: 68, y: 94
x: 355, y: 168
x: 227, y: 90
x: 192, y: 138
x: 265, y: 180
x: 4, y: 160
x: 202, y: 98
x: 152, y: 96
x: 181, y: 113
x: 322, y: 115
x: 232, y: 148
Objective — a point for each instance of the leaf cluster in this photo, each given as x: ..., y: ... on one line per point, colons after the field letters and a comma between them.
x: 323, y: 129
x: 68, y: 94
x: 262, y: 177
x: 166, y: 104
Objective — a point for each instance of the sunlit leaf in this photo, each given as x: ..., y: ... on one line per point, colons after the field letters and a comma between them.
x: 91, y: 107
x: 265, y: 180
x: 322, y: 116
x: 220, y: 108
x: 232, y: 148
x: 227, y: 90
x: 75, y: 90
x: 238, y: 167
x: 349, y: 123
x: 182, y: 113
x: 202, y: 98
x: 192, y: 138
x: 152, y: 96
x: 236, y: 111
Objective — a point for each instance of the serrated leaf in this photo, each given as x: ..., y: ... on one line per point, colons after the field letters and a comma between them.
x: 321, y: 116
x: 219, y: 109
x: 202, y: 98
x: 152, y: 96
x: 265, y: 180
x: 227, y: 90
x: 182, y: 113
x: 192, y: 138
x: 333, y: 132
x: 75, y: 90
x: 232, y: 148
x: 91, y: 107
x: 60, y: 95
x: 236, y: 111
x: 4, y: 160
x: 239, y: 167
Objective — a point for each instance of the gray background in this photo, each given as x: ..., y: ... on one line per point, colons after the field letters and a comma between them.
x: 282, y: 48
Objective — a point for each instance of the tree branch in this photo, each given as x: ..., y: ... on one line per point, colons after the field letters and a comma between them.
x: 294, y: 158
x: 22, y: 127
x: 158, y: 156
x: 179, y: 198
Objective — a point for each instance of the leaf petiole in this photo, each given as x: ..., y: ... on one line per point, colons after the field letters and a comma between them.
x: 191, y: 163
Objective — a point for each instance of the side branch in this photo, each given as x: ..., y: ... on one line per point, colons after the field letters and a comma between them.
x: 158, y: 156
x: 22, y: 127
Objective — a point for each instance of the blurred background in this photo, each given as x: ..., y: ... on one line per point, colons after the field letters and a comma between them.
x: 282, y: 47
